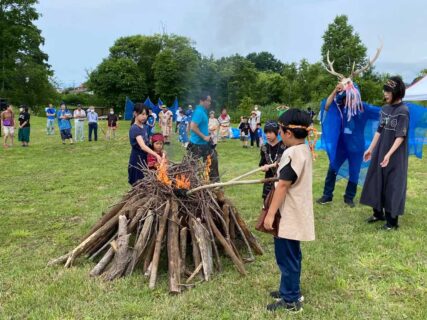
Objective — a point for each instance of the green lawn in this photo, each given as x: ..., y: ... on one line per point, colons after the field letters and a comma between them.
x: 51, y: 194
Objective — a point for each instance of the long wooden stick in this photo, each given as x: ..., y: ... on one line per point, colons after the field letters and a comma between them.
x: 273, y: 165
x: 229, y: 183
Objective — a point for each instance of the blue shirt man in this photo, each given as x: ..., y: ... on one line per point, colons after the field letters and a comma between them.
x: 65, y: 123
x: 50, y: 112
x: 201, y: 119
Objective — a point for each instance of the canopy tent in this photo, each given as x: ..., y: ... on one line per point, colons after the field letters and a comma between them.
x: 149, y: 104
x: 417, y: 91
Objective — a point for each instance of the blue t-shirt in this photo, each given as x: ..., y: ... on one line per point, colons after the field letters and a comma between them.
x: 199, y: 117
x: 136, y: 131
x: 64, y: 123
x: 51, y: 111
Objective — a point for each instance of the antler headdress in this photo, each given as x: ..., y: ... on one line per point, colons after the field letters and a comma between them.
x: 353, y: 99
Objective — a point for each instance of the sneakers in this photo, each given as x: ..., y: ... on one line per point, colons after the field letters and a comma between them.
x: 373, y: 219
x: 349, y: 202
x: 324, y: 200
x: 389, y: 227
x: 276, y: 295
x: 293, y: 307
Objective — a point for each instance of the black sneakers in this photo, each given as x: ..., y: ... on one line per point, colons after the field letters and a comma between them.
x: 389, y: 227
x: 373, y: 219
x: 293, y: 307
x: 276, y: 295
x: 324, y: 200
x: 349, y: 202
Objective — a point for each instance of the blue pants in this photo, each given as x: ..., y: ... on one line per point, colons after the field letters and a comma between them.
x: 354, y: 157
x: 93, y: 127
x: 254, y: 138
x: 288, y: 258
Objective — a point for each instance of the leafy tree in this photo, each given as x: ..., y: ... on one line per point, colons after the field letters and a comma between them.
x: 116, y: 78
x: 344, y: 46
x: 265, y: 61
x: 24, y: 73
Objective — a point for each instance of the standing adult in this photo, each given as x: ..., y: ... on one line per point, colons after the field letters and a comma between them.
x: 224, y: 125
x: 112, y: 120
x: 200, y: 145
x: 189, y: 112
x: 79, y: 116
x: 50, y: 122
x: 165, y: 121
x: 24, y: 126
x: 64, y: 124
x: 92, y: 119
x: 385, y: 185
x: 179, y: 114
x: 258, y: 114
x: 8, y: 124
x: 253, y: 125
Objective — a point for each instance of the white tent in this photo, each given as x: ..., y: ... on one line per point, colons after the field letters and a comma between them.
x: 417, y: 91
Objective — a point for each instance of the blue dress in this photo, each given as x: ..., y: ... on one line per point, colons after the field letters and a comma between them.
x: 138, y: 157
x: 183, y: 125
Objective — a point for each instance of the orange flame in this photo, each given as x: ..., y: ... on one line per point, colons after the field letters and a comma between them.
x: 182, y: 182
x: 162, y: 173
x: 208, y: 167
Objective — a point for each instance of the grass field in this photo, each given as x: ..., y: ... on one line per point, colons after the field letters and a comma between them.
x: 51, y: 194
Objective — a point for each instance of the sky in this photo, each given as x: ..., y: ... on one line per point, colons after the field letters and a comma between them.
x: 78, y: 33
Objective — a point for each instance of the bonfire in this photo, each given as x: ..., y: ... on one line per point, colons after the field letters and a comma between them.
x: 173, y: 211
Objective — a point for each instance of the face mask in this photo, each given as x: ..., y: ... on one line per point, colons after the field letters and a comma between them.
x: 111, y: 112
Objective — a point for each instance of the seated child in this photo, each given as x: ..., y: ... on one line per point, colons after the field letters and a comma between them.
x: 157, y: 141
x: 244, y: 131
x: 294, y: 200
x: 271, y: 152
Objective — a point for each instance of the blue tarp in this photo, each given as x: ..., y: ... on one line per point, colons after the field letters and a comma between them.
x: 128, y: 109
x: 149, y: 104
x: 174, y: 108
x: 348, y: 140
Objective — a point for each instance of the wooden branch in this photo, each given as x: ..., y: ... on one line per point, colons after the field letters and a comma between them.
x: 183, y: 234
x: 196, y: 271
x: 273, y: 165
x: 227, y: 247
x: 156, y: 255
x: 102, y: 264
x: 253, y: 241
x: 174, y: 256
x: 230, y: 183
x: 202, y: 240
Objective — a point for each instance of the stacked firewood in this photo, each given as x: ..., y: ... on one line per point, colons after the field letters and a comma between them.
x: 169, y: 215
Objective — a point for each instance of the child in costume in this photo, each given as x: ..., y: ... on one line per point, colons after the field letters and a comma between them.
x: 165, y: 121
x: 271, y: 153
x: 183, y: 129
x: 244, y: 131
x: 294, y: 200
x: 157, y: 143
x: 224, y: 122
x: 213, y: 128
x: 385, y: 185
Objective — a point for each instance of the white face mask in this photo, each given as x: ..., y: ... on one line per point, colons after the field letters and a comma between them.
x: 111, y: 112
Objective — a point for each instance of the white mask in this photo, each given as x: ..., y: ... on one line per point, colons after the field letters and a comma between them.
x: 111, y: 112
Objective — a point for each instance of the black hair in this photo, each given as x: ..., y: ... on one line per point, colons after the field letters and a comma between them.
x: 223, y: 108
x: 396, y: 86
x: 271, y: 126
x: 204, y: 96
x: 138, y: 109
x: 298, y: 118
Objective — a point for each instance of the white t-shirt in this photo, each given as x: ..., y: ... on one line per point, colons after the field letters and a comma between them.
x: 79, y: 115
x: 178, y: 116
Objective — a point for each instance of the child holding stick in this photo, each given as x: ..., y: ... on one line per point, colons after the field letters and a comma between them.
x: 294, y: 200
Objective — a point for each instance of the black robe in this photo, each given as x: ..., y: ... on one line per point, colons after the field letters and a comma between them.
x: 385, y: 188
x: 270, y: 154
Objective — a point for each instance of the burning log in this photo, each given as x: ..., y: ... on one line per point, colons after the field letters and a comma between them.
x: 170, y: 213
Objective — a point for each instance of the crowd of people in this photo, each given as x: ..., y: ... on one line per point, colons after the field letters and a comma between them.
x: 284, y: 155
